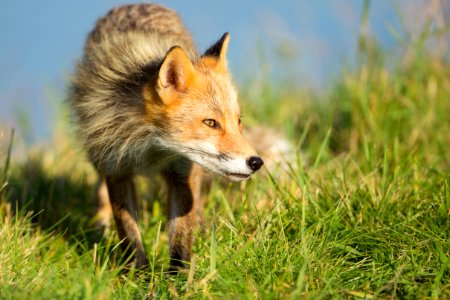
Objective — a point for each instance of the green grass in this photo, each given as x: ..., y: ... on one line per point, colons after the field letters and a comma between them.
x: 363, y: 213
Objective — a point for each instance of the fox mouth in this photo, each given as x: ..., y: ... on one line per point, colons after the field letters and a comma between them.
x: 237, y: 176
x: 221, y: 164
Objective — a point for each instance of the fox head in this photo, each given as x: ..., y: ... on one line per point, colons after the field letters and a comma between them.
x: 201, y: 112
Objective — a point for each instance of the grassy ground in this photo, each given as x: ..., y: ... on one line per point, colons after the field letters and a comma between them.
x: 363, y: 213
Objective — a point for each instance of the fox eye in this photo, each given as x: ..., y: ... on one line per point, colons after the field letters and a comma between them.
x: 211, y: 123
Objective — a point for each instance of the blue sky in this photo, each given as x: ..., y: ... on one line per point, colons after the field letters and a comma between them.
x: 40, y: 41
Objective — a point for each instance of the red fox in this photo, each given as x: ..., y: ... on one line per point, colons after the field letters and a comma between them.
x: 147, y: 102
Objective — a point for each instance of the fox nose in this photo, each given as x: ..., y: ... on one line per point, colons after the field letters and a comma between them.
x: 255, y: 163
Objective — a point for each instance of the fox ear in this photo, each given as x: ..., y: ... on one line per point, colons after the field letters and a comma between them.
x: 219, y: 49
x: 175, y: 74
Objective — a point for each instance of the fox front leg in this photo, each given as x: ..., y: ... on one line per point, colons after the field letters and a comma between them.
x: 184, y: 185
x: 103, y: 214
x: 122, y: 195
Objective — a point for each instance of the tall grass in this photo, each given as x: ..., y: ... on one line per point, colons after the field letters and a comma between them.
x: 363, y: 212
